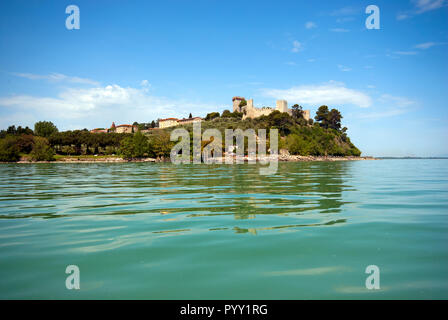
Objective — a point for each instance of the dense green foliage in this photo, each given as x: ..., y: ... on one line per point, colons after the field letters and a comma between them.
x: 136, y: 146
x: 82, y: 142
x: 211, y: 116
x: 299, y: 136
x: 9, y: 151
x: 44, y: 128
x: 42, y: 150
x: 324, y: 137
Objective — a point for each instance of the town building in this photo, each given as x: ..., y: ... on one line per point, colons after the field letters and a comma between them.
x: 173, y: 122
x: 122, y: 128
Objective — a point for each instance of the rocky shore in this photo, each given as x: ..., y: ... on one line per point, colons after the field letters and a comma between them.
x: 321, y: 158
x: 282, y: 158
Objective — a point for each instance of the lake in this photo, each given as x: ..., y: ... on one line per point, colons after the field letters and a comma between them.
x: 161, y: 231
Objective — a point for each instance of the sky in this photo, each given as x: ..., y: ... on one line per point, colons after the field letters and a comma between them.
x: 142, y: 60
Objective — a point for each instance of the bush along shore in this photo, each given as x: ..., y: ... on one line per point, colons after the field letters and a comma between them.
x: 299, y: 140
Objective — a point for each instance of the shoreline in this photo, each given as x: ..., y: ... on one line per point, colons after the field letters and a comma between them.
x: 281, y: 158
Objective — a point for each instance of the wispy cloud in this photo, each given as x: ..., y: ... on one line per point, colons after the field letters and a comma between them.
x: 310, y: 25
x: 421, y: 6
x: 405, y: 53
x: 339, y: 30
x: 425, y: 45
x: 296, y: 46
x: 344, y: 19
x: 56, y: 77
x: 345, y: 11
x: 331, y: 93
x: 428, y: 5
x: 396, y: 101
x: 97, y: 106
x: 391, y: 106
x: 344, y: 68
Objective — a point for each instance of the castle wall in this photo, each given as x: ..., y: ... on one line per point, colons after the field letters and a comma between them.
x: 251, y: 112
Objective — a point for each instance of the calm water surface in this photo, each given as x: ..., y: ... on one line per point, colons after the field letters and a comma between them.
x: 160, y: 231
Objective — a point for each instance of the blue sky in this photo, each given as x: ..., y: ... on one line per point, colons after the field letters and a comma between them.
x: 143, y: 60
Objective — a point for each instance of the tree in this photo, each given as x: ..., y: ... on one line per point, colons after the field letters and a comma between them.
x: 44, y: 128
x: 127, y: 148
x: 42, y: 150
x: 134, y: 147
x: 297, y: 111
x: 190, y: 116
x: 160, y: 144
x: 211, y: 116
x: 226, y: 114
x: 140, y: 144
x: 243, y: 103
x: 25, y: 143
x: 9, y: 152
x: 322, y: 116
x: 334, y: 119
x: 153, y: 124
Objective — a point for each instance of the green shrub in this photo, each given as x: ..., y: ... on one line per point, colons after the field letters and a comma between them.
x: 42, y: 150
x: 9, y: 151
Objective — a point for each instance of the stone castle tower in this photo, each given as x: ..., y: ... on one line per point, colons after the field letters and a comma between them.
x: 236, y: 104
x: 251, y: 112
x: 281, y: 105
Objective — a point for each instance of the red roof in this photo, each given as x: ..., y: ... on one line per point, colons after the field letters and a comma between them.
x: 238, y: 98
x: 168, y: 119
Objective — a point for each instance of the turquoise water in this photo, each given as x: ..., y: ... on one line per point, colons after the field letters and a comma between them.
x: 160, y: 231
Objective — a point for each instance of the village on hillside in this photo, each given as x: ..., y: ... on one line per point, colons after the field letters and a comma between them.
x: 240, y: 104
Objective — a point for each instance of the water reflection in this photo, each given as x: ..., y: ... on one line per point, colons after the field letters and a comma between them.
x: 207, y: 195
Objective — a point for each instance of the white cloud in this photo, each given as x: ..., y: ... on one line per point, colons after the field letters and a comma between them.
x: 422, y: 6
x: 310, y: 25
x: 296, y: 46
x: 98, y: 106
x: 332, y: 93
x: 425, y: 45
x: 56, y: 77
x: 344, y: 68
x: 339, y: 30
x: 390, y: 106
x: 396, y: 101
x: 428, y: 5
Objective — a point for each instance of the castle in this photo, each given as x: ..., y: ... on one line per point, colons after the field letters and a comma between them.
x: 250, y: 111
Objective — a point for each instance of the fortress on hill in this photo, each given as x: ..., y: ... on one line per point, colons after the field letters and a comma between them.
x: 249, y: 111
